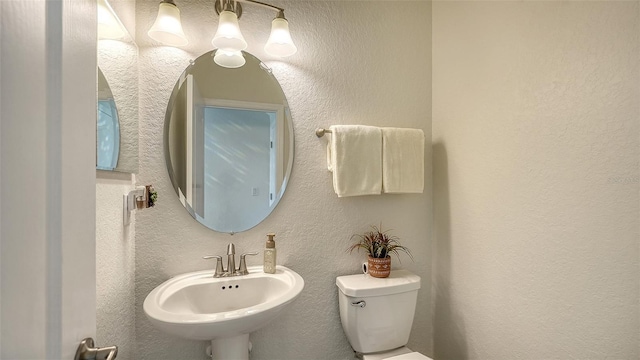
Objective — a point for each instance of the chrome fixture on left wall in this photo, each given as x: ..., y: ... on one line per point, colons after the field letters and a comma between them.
x: 141, y: 198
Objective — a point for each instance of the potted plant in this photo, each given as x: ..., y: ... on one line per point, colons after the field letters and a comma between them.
x: 379, y: 245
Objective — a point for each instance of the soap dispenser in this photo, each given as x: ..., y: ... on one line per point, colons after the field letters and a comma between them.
x: 270, y: 255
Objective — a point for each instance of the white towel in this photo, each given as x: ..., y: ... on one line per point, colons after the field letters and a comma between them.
x: 402, y: 160
x: 354, y: 155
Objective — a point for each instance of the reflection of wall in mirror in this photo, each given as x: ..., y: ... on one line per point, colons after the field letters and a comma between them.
x: 177, y: 145
x: 237, y: 167
x: 195, y: 146
x: 249, y: 83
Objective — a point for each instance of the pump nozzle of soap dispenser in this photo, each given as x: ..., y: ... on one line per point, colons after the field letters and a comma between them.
x: 270, y: 242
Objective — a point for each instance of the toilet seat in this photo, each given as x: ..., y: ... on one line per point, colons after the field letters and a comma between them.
x: 402, y: 353
x: 409, y: 356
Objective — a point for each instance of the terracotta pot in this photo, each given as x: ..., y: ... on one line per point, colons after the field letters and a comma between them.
x: 379, y: 267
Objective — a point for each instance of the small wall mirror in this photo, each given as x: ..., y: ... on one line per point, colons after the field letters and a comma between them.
x: 117, y: 123
x: 228, y: 138
x: 108, y: 129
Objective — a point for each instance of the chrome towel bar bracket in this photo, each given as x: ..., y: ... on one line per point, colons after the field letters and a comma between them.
x: 320, y: 132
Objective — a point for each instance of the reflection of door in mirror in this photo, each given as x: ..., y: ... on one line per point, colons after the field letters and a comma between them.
x: 108, y: 127
x: 242, y: 161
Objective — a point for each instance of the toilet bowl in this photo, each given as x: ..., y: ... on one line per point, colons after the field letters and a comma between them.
x: 377, y: 314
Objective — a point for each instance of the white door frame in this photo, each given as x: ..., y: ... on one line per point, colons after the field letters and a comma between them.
x: 47, y: 177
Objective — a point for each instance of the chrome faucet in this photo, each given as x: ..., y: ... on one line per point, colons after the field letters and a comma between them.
x: 231, y: 263
x: 231, y: 259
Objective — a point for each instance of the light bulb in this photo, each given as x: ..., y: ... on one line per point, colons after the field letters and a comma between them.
x: 280, y: 43
x: 228, y: 37
x: 229, y: 59
x: 167, y: 28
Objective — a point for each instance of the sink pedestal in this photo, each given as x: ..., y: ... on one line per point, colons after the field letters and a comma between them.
x: 231, y: 348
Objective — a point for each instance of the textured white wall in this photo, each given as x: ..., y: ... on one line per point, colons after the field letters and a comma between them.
x: 115, y: 265
x: 535, y: 129
x: 356, y: 65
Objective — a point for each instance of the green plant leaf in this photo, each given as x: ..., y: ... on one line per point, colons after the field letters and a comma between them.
x: 378, y: 243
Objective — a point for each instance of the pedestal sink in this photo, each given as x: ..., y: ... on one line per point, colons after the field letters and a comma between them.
x: 225, y: 310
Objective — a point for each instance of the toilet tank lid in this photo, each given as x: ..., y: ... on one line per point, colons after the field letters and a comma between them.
x: 362, y: 285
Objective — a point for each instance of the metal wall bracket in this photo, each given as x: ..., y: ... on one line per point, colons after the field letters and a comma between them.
x: 129, y: 203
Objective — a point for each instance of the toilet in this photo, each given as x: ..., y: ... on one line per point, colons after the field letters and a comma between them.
x: 377, y: 314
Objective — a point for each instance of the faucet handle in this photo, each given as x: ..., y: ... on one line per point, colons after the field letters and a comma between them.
x: 219, y: 269
x: 242, y: 269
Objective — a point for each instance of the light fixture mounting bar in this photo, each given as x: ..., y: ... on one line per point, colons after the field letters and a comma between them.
x: 272, y: 7
x: 238, y: 9
x: 220, y: 7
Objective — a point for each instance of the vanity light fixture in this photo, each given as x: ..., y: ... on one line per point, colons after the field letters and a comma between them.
x: 228, y: 37
x: 167, y: 28
x: 109, y: 26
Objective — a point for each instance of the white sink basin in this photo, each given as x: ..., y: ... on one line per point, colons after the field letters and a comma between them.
x: 200, y: 307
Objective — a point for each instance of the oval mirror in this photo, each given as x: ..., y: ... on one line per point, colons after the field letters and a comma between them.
x: 108, y: 127
x: 228, y: 140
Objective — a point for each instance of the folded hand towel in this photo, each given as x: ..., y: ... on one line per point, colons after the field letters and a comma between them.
x: 402, y: 160
x: 354, y: 155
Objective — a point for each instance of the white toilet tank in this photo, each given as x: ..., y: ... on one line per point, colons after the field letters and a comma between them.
x: 377, y: 313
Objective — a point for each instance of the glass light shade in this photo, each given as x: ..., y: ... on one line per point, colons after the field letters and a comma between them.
x: 280, y: 43
x: 168, y: 29
x: 228, y: 37
x: 229, y: 59
x: 109, y: 27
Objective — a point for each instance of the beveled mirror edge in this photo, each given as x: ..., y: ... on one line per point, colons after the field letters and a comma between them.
x: 167, y: 154
x: 165, y: 131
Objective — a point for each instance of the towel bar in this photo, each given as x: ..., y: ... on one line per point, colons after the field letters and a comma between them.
x: 321, y: 132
